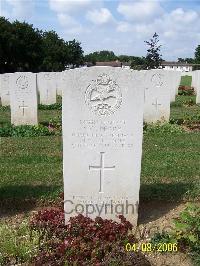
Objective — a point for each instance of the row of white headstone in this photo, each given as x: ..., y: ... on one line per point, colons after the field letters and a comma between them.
x: 24, y: 90
x: 20, y: 90
x: 48, y: 85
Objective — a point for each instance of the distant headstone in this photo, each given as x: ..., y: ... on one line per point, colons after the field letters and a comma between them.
x: 58, y: 83
x: 102, y: 142
x: 195, y: 79
x: 46, y: 85
x: 23, y: 99
x: 5, y: 80
x: 197, y: 85
x: 174, y: 80
x: 157, y: 96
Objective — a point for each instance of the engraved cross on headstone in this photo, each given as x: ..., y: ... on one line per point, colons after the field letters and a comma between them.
x: 145, y: 94
x: 156, y: 104
x: 101, y: 168
x: 23, y: 106
x: 47, y: 94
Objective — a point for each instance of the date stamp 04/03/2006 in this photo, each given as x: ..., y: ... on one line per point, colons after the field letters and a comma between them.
x: 150, y: 247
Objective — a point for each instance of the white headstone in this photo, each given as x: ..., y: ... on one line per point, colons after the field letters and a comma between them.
x: 174, y: 78
x: 157, y: 96
x: 23, y: 99
x: 102, y: 142
x: 177, y: 80
x: 195, y: 79
x: 5, y: 80
x: 46, y: 84
x: 197, y: 85
x: 59, y: 83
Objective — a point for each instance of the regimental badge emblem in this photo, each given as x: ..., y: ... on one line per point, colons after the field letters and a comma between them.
x: 22, y: 82
x: 157, y: 80
x: 103, y: 96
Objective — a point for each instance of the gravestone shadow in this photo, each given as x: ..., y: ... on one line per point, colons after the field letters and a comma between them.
x: 22, y: 198
x: 158, y: 199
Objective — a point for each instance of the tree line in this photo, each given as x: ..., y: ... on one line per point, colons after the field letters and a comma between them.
x: 151, y: 61
x: 24, y: 48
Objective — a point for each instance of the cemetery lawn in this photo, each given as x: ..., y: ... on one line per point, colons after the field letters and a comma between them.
x: 31, y: 168
x: 44, y: 116
x: 186, y: 80
x: 185, y: 108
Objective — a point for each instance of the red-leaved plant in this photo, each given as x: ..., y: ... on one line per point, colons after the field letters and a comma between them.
x: 83, y: 241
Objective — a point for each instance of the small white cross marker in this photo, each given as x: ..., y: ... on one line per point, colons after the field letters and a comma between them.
x: 156, y: 104
x: 23, y: 106
x: 101, y: 168
x: 145, y: 94
x: 47, y: 94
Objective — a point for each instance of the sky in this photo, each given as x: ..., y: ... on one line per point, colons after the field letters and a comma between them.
x: 120, y: 26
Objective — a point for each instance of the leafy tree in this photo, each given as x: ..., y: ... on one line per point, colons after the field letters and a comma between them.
x: 75, y: 53
x: 186, y: 60
x: 26, y: 47
x: 138, y: 63
x: 5, y: 35
x: 197, y: 55
x: 6, y: 56
x: 125, y: 58
x: 58, y: 54
x: 153, y: 57
x: 189, y: 60
x: 101, y: 56
x: 181, y: 60
x: 55, y: 53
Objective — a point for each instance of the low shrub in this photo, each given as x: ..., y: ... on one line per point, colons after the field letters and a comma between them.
x: 163, y: 128
x: 56, y: 123
x: 185, y: 90
x: 17, y: 245
x: 189, y: 103
x: 83, y: 241
x: 187, y: 227
x: 4, y: 108
x: 55, y: 106
x: 186, y: 232
x: 25, y: 131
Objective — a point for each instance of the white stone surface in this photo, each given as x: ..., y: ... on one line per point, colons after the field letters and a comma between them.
x: 46, y: 85
x: 23, y: 99
x: 102, y: 141
x: 5, y: 80
x: 175, y: 79
x: 195, y: 80
x: 196, y: 83
x: 157, y: 96
x: 58, y: 83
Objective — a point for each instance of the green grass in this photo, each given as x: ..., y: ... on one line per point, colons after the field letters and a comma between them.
x: 186, y: 80
x: 44, y: 116
x: 180, y: 111
x: 170, y: 166
x: 32, y: 167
